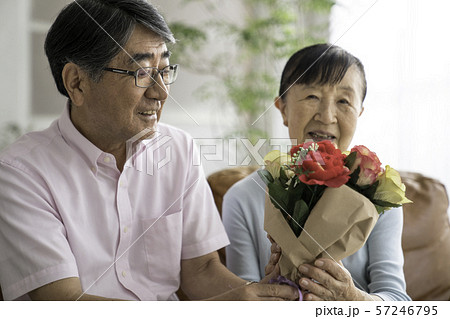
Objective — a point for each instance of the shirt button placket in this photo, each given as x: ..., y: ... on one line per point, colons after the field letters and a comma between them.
x: 124, y: 212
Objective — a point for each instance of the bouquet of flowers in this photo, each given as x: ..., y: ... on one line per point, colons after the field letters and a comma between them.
x: 329, y: 201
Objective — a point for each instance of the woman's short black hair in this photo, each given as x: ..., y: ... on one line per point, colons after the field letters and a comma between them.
x: 90, y: 33
x: 321, y: 64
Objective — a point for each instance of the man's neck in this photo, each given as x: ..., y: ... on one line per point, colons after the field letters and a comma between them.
x: 104, y: 143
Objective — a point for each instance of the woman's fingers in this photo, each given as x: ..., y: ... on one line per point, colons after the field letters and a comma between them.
x: 271, y: 272
x: 328, y: 280
x: 324, y: 270
x: 274, y: 248
x: 320, y: 292
x: 335, y: 269
x: 274, y: 258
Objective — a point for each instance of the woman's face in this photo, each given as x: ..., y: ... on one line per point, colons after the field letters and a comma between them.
x: 324, y: 112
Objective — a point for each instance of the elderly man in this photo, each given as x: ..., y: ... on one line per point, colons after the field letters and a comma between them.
x: 79, y: 218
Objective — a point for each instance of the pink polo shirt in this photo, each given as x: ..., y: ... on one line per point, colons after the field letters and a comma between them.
x: 67, y: 211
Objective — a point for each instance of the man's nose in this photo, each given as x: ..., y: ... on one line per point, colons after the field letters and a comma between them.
x: 326, y: 112
x: 158, y: 91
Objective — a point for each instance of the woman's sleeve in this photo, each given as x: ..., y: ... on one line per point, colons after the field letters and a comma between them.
x: 385, y: 269
x: 241, y: 254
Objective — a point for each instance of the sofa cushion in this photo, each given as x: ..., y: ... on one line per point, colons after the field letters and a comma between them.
x: 426, y: 238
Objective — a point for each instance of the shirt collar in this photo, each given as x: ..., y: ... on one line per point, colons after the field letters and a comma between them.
x: 88, y: 151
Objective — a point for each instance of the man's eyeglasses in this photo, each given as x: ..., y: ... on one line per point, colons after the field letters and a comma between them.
x: 147, y: 77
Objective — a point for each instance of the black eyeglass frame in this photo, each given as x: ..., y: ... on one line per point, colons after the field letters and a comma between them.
x: 135, y: 73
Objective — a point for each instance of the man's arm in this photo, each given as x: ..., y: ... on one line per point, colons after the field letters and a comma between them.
x: 205, y: 277
x: 68, y: 289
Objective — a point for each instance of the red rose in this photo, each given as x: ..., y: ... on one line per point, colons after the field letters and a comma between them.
x: 369, y: 164
x: 323, y: 164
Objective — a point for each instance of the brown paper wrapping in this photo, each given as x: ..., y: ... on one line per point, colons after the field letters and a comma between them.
x: 337, y: 227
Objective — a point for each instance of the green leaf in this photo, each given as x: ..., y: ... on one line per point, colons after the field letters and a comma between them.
x: 296, y: 190
x: 265, y: 176
x: 188, y: 33
x: 299, y: 217
x: 384, y: 203
x: 350, y: 160
x: 283, y: 177
x: 189, y: 39
x: 354, y: 177
x: 370, y: 190
x: 278, y: 196
x: 319, y: 5
x: 380, y: 209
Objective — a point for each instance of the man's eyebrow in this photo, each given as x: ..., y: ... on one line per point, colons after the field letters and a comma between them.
x: 139, y: 57
x: 166, y: 54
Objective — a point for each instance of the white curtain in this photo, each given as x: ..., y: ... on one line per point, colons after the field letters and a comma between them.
x: 405, y: 49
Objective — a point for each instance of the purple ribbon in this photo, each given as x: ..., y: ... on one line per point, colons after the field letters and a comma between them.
x: 284, y: 281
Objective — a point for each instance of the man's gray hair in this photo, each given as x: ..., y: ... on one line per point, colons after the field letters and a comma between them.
x: 90, y: 33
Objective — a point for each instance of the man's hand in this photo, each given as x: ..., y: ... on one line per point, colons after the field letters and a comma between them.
x: 333, y: 282
x: 258, y: 291
x: 205, y: 277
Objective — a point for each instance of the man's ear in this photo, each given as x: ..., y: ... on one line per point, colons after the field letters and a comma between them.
x: 281, y: 105
x: 73, y: 78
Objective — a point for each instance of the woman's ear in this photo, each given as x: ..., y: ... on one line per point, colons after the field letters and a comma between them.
x: 73, y: 78
x: 281, y: 105
x: 362, y: 110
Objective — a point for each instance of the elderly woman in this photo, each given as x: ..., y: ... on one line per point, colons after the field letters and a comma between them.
x: 321, y: 94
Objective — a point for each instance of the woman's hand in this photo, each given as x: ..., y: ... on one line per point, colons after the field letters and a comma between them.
x: 334, y: 282
x: 272, y: 269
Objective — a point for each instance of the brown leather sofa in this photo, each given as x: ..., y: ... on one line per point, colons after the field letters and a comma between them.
x: 426, y: 231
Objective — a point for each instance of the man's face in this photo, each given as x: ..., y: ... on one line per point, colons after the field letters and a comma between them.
x: 318, y: 112
x: 115, y: 108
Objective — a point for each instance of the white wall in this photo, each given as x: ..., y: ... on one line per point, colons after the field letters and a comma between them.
x: 14, y: 51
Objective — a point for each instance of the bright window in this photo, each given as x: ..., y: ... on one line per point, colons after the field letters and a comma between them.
x: 404, y: 48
